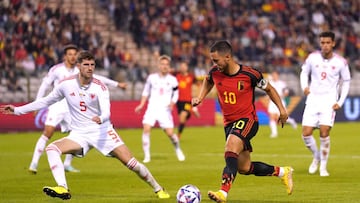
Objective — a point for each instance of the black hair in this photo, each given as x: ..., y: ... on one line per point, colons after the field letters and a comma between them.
x: 222, y: 46
x: 70, y: 47
x: 328, y: 34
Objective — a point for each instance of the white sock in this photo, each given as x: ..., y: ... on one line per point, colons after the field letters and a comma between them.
x: 310, y: 143
x: 273, y: 127
x: 146, y: 144
x: 324, y: 151
x: 68, y: 159
x: 281, y: 172
x: 56, y: 165
x: 175, y: 141
x: 143, y: 172
x: 38, y: 151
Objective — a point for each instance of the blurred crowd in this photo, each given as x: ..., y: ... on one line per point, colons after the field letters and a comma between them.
x: 268, y: 34
x: 32, y: 37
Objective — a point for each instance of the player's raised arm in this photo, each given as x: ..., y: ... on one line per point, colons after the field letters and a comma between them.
x: 204, y: 90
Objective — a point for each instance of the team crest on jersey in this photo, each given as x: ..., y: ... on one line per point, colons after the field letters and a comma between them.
x: 72, y: 94
x: 92, y: 96
x: 240, y: 85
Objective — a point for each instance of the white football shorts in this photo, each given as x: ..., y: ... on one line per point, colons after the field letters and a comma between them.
x: 316, y: 115
x: 163, y: 117
x: 104, y: 140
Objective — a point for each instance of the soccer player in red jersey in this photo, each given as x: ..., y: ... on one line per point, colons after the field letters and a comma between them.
x: 184, y: 107
x: 235, y: 84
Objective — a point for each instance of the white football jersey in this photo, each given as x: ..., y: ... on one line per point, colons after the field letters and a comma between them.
x: 326, y: 76
x: 84, y: 103
x: 161, y: 90
x: 56, y: 73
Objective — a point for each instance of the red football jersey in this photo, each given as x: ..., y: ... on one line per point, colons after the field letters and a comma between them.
x: 185, y: 86
x: 236, y: 93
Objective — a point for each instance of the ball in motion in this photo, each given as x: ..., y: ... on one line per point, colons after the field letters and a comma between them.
x: 188, y: 194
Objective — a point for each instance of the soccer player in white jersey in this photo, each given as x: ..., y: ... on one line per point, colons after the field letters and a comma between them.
x: 323, y: 74
x: 58, y: 113
x: 89, y: 104
x: 281, y: 88
x: 161, y: 89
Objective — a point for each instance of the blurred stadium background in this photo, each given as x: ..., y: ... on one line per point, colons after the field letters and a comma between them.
x: 127, y: 36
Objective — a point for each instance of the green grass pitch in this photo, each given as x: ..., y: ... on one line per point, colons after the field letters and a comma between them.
x: 106, y: 180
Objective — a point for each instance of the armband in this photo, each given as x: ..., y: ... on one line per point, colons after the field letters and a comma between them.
x: 262, y: 84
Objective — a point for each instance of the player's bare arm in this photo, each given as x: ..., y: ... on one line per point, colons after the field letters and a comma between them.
x: 306, y: 91
x: 122, y: 85
x: 274, y: 96
x: 7, y: 109
x: 205, y: 89
x: 141, y: 105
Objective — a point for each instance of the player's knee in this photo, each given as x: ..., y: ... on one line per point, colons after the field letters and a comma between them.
x: 53, y: 148
x: 244, y: 171
x: 49, y: 131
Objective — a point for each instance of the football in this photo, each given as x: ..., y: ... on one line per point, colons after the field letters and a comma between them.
x: 188, y: 194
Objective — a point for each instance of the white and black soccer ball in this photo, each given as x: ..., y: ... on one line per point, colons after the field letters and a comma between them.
x: 188, y: 194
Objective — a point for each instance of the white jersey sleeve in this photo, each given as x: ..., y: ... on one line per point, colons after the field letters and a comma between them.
x: 305, y: 74
x: 175, y: 88
x: 47, y: 81
x: 147, y: 86
x: 107, y: 81
x: 52, y: 97
x: 56, y: 73
x: 345, y: 84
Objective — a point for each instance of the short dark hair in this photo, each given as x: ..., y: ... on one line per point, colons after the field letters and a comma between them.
x: 70, y: 47
x: 84, y: 55
x: 328, y: 34
x: 222, y: 46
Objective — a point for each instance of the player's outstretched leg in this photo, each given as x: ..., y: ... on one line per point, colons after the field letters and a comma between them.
x: 143, y: 172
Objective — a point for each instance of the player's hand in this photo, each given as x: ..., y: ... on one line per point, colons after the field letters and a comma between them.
x: 336, y: 107
x: 35, y: 113
x: 96, y: 119
x: 282, y: 119
x: 138, y: 108
x: 122, y: 85
x: 195, y: 101
x: 7, y: 109
x: 306, y: 91
x: 171, y: 106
